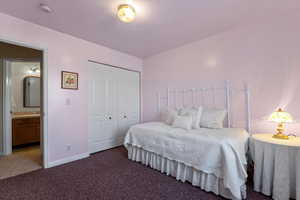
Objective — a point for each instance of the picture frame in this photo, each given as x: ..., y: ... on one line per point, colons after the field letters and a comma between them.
x: 69, y: 80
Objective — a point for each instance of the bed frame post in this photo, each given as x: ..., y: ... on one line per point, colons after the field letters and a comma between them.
x: 202, y: 96
x: 168, y: 97
x: 228, y: 103
x: 214, y: 96
x: 193, y: 96
x: 158, y: 102
x: 247, y: 91
x: 183, y: 98
x: 175, y: 98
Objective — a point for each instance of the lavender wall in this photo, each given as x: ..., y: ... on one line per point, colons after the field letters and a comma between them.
x: 67, y: 123
x: 266, y: 56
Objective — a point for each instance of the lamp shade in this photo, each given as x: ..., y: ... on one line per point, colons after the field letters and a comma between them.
x: 280, y: 116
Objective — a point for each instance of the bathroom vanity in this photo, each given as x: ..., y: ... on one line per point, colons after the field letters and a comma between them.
x: 25, y: 129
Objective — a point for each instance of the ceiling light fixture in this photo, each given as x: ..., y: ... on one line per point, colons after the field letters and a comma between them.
x: 34, y: 70
x: 46, y: 8
x: 126, y: 13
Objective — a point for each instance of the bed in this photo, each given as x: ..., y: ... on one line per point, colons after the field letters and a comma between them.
x: 212, y: 159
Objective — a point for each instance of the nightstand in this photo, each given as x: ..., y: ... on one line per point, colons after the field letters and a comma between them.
x: 276, y: 166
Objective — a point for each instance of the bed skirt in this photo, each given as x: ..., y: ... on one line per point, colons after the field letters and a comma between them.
x: 182, y: 172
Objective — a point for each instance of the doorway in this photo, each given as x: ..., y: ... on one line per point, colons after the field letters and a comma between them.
x: 22, y: 142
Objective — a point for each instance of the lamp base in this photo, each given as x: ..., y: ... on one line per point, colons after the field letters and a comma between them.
x: 281, y: 136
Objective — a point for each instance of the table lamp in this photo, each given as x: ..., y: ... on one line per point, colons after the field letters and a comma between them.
x: 280, y: 117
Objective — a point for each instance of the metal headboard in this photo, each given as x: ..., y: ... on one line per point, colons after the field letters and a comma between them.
x: 193, y: 93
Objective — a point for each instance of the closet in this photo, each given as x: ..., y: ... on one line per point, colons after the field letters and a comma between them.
x: 114, y: 105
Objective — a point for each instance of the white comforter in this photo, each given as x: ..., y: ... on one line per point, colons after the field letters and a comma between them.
x: 215, y: 151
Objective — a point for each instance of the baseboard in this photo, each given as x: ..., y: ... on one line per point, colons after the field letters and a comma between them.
x: 102, y: 145
x: 68, y: 159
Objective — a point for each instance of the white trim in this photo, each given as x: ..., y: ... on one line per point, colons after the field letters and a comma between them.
x: 228, y: 104
x: 248, y: 112
x: 6, y: 103
x: 45, y: 93
x: 45, y: 108
x: 158, y: 102
x: 68, y: 159
x: 105, y: 144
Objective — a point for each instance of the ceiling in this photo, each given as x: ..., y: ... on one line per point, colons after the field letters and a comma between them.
x: 160, y: 24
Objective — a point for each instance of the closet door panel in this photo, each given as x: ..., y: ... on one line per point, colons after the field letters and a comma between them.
x: 102, y: 125
x: 128, y: 100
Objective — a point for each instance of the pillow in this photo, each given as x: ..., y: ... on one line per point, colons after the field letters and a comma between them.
x: 195, y: 113
x: 184, y: 122
x: 169, y: 116
x: 212, y: 118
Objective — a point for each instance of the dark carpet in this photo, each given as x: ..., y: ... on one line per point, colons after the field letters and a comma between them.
x: 108, y: 175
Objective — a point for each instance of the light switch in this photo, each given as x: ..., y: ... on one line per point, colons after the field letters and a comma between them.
x: 68, y: 101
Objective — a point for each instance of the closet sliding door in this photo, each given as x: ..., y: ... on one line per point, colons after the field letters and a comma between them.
x: 114, y: 105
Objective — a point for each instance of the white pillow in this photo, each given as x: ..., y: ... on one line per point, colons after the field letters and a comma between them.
x: 169, y: 116
x: 195, y: 113
x: 213, y: 118
x: 184, y: 122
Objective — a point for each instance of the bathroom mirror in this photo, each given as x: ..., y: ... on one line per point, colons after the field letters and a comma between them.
x: 32, y: 91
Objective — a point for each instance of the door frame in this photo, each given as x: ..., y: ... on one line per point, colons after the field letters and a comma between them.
x: 6, y: 103
x: 44, y: 95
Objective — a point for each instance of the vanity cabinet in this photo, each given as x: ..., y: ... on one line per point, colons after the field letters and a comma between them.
x: 25, y: 130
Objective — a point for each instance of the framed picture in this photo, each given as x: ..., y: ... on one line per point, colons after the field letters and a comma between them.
x: 69, y: 80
